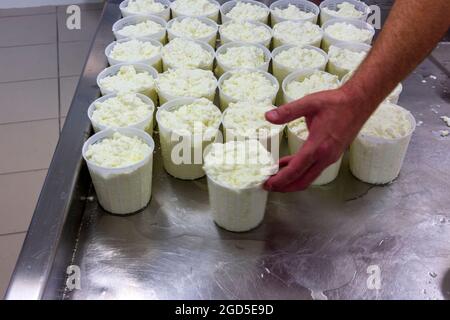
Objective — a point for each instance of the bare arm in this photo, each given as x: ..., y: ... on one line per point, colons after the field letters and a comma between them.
x: 335, y: 117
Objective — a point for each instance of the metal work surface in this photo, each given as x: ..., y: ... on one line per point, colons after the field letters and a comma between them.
x: 317, y: 244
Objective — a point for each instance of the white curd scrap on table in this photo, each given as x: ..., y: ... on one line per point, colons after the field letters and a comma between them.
x: 317, y: 81
x: 118, y: 151
x: 123, y: 110
x: 185, y: 53
x: 344, y: 31
x: 292, y: 12
x: 128, y: 79
x: 141, y: 29
x: 134, y: 50
x: 298, y: 33
x: 248, y: 85
x: 145, y: 7
x: 181, y: 82
x: 446, y: 120
x: 345, y: 10
x: 245, y: 31
x: 247, y: 11
x: 192, y: 28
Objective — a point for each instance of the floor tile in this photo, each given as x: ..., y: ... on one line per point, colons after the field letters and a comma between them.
x: 28, y: 100
x: 27, y: 145
x: 16, y: 213
x: 72, y: 56
x: 28, y: 63
x: 14, y: 12
x: 28, y: 30
x: 10, y: 246
x: 67, y: 90
x: 89, y: 22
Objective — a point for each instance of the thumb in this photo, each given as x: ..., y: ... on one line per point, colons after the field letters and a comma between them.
x: 291, y: 111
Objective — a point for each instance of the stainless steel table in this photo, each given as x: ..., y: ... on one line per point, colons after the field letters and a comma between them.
x: 317, y: 244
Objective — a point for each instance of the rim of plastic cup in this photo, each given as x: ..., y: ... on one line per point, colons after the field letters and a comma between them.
x: 202, y: 44
x: 123, y: 6
x: 228, y: 74
x: 367, y: 137
x: 227, y: 110
x: 130, y: 132
x: 357, y: 23
x: 178, y: 14
x: 258, y: 186
x: 255, y: 23
x: 299, y: 75
x: 303, y: 5
x: 151, y: 60
x: 226, y: 7
x: 299, y: 22
x: 177, y: 103
x: 285, y: 47
x: 359, y: 5
x: 226, y: 46
x: 143, y: 98
x: 352, y: 46
x: 136, y: 19
x: 205, y: 20
x: 113, y: 70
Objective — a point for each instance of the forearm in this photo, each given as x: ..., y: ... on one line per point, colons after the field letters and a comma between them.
x: 410, y: 33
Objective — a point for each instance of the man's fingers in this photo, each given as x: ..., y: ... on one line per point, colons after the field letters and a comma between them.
x: 305, y: 181
x: 291, y: 111
x: 296, y: 167
x: 285, y: 161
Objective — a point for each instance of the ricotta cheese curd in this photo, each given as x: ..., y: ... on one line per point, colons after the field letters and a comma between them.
x: 247, y: 85
x: 121, y: 170
x: 344, y: 10
x: 246, y: 120
x: 377, y: 153
x: 236, y: 171
x: 145, y: 7
x: 342, y: 60
x: 195, y: 8
x: 123, y: 110
x: 296, y: 57
x: 317, y: 81
x: 184, y: 53
x: 193, y: 28
x: 176, y: 83
x: 141, y: 29
x: 134, y: 50
x: 299, y: 33
x: 117, y: 151
x: 297, y: 134
x: 196, y: 122
x: 292, y: 12
x: 128, y: 79
x: 245, y: 31
x: 446, y: 120
x: 245, y: 56
x: 242, y: 11
x: 344, y: 31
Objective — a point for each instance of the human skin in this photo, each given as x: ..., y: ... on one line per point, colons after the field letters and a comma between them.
x: 335, y: 117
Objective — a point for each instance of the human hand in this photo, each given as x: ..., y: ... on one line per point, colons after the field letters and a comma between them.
x: 334, y: 118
